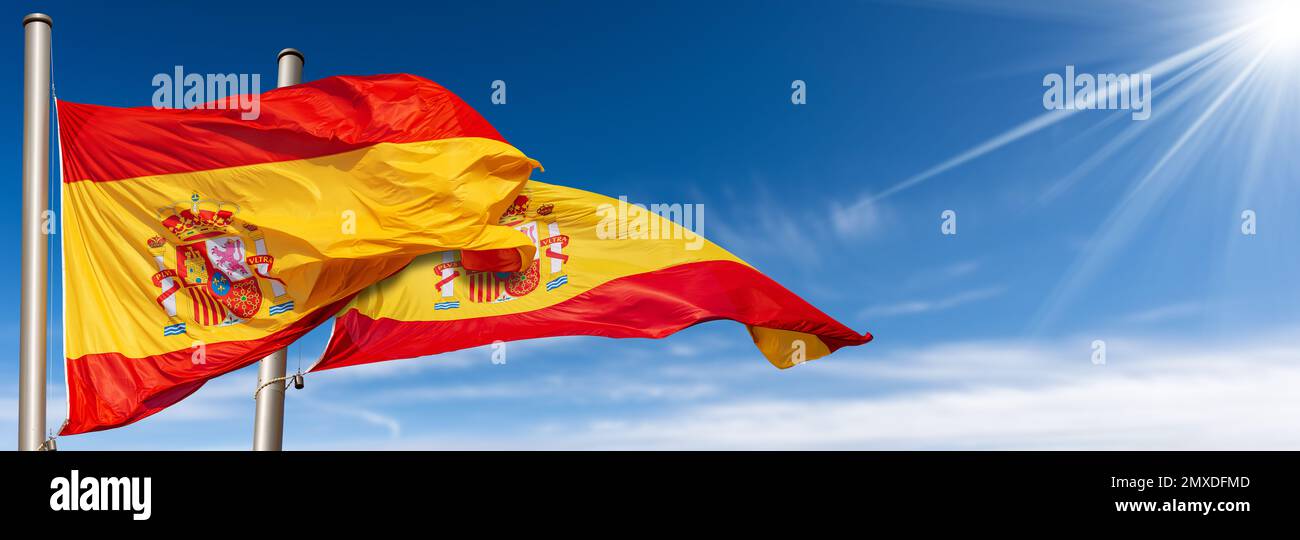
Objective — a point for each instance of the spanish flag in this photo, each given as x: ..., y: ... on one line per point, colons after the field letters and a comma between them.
x: 197, y: 241
x: 602, y: 268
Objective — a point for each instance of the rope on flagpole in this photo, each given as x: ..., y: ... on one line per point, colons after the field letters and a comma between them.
x: 50, y: 443
x: 296, y: 381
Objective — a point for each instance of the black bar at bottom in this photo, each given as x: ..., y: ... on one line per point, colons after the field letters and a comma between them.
x: 763, y: 489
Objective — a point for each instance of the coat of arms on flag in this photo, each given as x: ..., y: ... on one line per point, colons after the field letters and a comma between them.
x: 212, y: 266
x: 540, y: 227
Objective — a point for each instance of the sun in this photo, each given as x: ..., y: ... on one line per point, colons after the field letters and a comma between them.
x: 1277, y: 23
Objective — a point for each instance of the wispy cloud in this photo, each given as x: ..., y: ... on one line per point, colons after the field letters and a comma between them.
x: 924, y: 278
x: 857, y: 220
x: 1164, y: 313
x: 794, y: 231
x: 389, y: 423
x: 913, y: 307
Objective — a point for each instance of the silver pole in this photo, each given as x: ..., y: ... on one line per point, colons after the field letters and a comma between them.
x: 268, y: 424
x: 36, y: 199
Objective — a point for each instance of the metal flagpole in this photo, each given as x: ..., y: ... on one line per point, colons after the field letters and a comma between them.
x: 36, y: 198
x: 268, y: 424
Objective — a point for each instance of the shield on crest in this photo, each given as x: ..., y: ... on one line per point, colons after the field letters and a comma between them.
x: 216, y: 268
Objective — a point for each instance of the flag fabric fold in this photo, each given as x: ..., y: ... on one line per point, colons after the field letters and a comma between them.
x: 602, y: 268
x: 195, y: 241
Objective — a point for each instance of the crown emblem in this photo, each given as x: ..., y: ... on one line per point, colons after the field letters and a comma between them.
x: 516, y: 212
x: 156, y: 242
x: 197, y: 218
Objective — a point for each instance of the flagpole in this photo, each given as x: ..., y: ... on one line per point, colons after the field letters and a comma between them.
x: 36, y: 198
x: 268, y: 424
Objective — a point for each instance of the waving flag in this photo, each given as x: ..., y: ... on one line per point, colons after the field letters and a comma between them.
x: 602, y: 268
x: 196, y: 242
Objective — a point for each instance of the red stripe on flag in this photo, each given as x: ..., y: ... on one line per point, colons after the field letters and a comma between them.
x: 200, y: 308
x: 209, y: 310
x: 650, y: 305
x: 319, y: 118
x: 208, y: 316
x: 218, y: 310
x: 112, y: 390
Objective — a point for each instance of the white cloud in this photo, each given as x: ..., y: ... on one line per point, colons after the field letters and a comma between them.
x: 1015, y: 395
x: 1248, y: 411
x: 977, y: 395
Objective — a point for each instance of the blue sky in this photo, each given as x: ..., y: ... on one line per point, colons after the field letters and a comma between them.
x: 1072, y: 227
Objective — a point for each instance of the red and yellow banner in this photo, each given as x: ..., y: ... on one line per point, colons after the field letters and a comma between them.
x: 196, y: 242
x: 602, y: 268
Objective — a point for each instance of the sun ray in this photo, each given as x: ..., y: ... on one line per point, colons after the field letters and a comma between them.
x: 1049, y: 118
x: 1120, y: 142
x: 1124, y: 219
